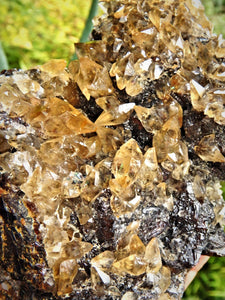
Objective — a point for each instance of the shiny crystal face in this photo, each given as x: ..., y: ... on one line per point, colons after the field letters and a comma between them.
x: 111, y: 168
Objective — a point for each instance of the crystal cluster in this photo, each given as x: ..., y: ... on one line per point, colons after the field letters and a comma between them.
x: 111, y: 167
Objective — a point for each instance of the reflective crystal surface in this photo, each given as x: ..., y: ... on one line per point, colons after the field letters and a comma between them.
x: 110, y: 168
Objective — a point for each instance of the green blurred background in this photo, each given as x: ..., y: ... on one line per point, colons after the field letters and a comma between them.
x: 34, y: 31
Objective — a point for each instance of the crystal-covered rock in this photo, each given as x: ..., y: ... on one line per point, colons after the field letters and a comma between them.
x: 110, y: 169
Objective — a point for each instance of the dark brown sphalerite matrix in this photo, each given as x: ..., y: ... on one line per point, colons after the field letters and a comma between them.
x: 111, y: 168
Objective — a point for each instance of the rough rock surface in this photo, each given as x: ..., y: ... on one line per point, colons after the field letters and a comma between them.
x: 111, y: 168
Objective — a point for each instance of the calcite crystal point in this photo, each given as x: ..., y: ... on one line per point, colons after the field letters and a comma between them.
x: 111, y: 167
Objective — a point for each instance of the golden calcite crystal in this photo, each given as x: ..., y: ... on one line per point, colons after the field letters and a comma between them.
x: 150, y: 172
x: 92, y: 78
x: 126, y: 164
x: 132, y: 257
x: 110, y: 168
x: 208, y: 150
x: 153, y: 257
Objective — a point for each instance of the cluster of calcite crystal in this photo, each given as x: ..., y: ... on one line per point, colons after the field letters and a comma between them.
x: 111, y: 168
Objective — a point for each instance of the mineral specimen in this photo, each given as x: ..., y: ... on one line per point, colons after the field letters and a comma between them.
x: 111, y: 168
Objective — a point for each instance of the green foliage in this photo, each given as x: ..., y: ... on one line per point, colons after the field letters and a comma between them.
x: 209, y: 283
x: 215, y: 10
x: 32, y: 32
x: 3, y: 59
x: 223, y: 188
x: 88, y: 24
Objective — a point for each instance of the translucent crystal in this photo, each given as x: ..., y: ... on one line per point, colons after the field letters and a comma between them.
x: 161, y: 279
x: 67, y: 271
x: 13, y: 100
x: 103, y: 260
x: 27, y: 86
x: 56, y: 118
x: 214, y: 107
x: 101, y: 265
x: 93, y: 79
x: 125, y: 204
x: 153, y: 256
x: 208, y: 150
x: 129, y: 296
x: 161, y: 190
x: 126, y: 76
x: 165, y: 279
x: 130, y: 257
x: 126, y: 164
x: 167, y: 139
x: 220, y: 50
x: 110, y: 139
x: 96, y: 179
x: 84, y: 212
x: 76, y: 249
x: 117, y: 116
x: 94, y: 50
x: 166, y: 296
x: 199, y: 188
x: 54, y: 67
x: 136, y: 246
x: 197, y: 92
x: 149, y: 173
x: 133, y: 265
x: 154, y: 118
x: 42, y: 184
x: 109, y: 103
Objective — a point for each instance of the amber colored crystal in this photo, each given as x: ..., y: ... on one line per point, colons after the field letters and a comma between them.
x: 67, y: 271
x: 165, y: 278
x: 197, y: 92
x: 167, y: 139
x: 166, y: 296
x: 101, y: 265
x: 149, y: 173
x: 54, y: 67
x: 130, y: 257
x: 110, y: 139
x: 199, y: 188
x: 129, y: 242
x: 93, y: 79
x: 129, y: 296
x: 208, y: 150
x: 214, y: 107
x: 133, y: 265
x: 94, y: 50
x: 114, y: 115
x: 124, y: 205
x: 153, y: 257
x: 127, y: 163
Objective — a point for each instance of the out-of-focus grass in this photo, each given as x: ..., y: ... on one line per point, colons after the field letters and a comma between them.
x: 215, y: 10
x: 209, y: 283
x: 3, y: 59
x: 33, y: 32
